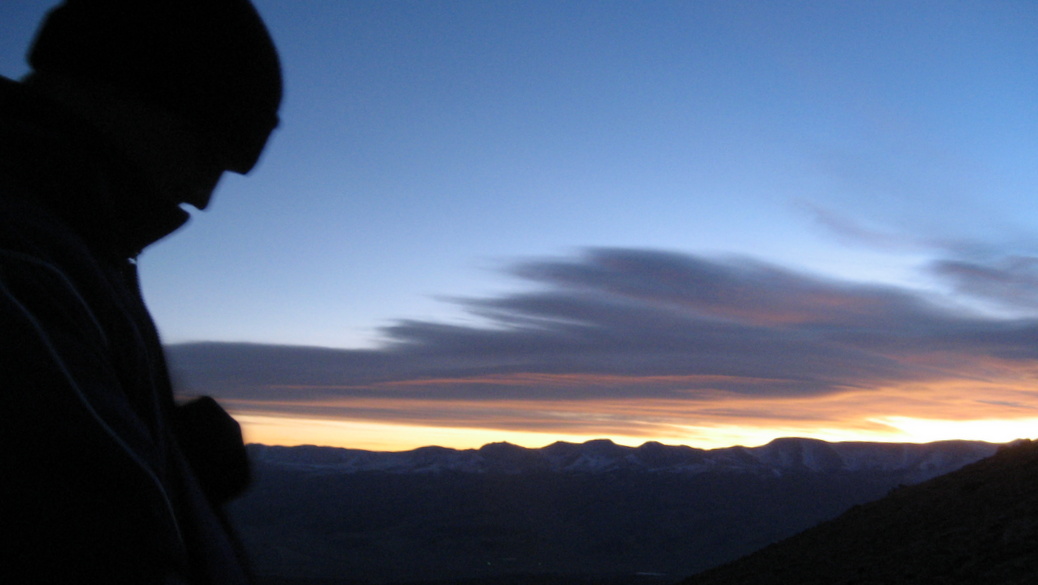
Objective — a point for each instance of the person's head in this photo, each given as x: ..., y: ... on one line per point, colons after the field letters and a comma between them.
x: 187, y: 88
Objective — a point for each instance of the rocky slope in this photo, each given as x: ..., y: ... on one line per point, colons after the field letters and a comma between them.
x: 976, y: 525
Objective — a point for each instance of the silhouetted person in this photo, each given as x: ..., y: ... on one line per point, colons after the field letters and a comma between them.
x: 133, y: 108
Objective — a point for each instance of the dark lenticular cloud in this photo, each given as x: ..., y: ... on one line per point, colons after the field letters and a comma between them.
x: 624, y: 323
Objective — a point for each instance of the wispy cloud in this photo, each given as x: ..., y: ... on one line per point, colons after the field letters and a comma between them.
x: 1009, y: 281
x: 646, y: 341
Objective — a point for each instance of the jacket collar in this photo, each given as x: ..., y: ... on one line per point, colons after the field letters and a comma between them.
x: 61, y: 163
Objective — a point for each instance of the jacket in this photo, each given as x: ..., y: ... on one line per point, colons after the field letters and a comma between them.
x: 103, y: 478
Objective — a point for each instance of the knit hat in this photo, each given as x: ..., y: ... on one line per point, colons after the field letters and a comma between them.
x: 211, y: 61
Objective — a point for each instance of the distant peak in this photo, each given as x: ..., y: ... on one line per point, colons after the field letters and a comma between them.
x: 797, y: 441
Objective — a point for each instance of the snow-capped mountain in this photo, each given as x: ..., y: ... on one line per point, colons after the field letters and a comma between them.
x: 601, y: 456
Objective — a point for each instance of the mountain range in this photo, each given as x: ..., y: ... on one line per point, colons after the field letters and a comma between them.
x: 595, y: 512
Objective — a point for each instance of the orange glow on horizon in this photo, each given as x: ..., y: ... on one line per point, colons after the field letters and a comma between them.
x: 991, y: 430
x: 995, y: 410
x: 375, y: 436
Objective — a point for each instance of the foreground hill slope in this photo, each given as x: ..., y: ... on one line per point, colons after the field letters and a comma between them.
x: 976, y: 525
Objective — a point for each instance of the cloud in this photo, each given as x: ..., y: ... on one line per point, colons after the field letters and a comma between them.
x: 1010, y: 282
x: 854, y: 232
x: 622, y: 338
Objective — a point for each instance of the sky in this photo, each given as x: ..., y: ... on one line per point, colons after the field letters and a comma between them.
x: 709, y: 223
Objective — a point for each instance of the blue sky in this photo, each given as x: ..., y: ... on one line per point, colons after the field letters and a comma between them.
x: 443, y: 167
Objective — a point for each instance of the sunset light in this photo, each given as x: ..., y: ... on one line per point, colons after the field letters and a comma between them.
x: 714, y: 419
x: 290, y: 431
x: 991, y: 430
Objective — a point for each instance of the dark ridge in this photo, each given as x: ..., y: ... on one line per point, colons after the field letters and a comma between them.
x: 524, y: 579
x: 975, y: 525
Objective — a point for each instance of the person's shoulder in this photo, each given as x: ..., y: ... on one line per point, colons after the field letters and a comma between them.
x: 29, y: 230
x: 38, y: 251
x: 45, y: 277
x: 26, y: 223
